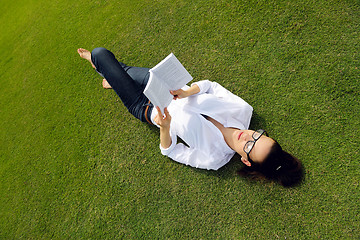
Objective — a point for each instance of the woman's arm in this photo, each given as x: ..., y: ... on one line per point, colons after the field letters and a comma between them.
x: 165, y: 139
x: 164, y: 122
x: 178, y: 94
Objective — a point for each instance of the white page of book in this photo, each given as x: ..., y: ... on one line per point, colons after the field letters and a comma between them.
x: 167, y: 75
x: 172, y: 72
x: 158, y: 93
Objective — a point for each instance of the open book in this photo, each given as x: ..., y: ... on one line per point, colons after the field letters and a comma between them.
x: 167, y: 75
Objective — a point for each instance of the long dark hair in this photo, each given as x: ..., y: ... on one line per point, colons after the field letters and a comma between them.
x: 278, y: 166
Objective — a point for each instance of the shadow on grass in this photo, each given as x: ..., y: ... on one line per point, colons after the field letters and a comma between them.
x: 257, y: 122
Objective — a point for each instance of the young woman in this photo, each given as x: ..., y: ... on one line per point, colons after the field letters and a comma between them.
x: 212, y: 122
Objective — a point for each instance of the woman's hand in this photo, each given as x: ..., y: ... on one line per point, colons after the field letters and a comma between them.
x: 163, y: 120
x: 179, y: 94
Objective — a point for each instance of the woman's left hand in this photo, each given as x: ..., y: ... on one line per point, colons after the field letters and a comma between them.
x: 179, y: 94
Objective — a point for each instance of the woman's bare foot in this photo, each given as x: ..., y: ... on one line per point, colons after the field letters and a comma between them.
x: 106, y: 84
x: 85, y: 54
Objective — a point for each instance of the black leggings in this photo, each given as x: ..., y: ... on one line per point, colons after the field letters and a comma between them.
x: 128, y: 82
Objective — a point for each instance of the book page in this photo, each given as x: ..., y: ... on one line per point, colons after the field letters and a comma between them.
x: 172, y: 72
x: 158, y: 93
x: 167, y: 75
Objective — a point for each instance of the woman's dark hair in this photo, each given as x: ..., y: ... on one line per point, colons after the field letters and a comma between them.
x: 279, y: 166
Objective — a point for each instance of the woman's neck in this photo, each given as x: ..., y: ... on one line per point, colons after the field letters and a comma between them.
x: 226, y: 132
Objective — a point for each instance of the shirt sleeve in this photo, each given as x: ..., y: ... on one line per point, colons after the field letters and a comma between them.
x: 219, y: 91
x: 240, y: 111
x: 194, y: 157
x: 204, y: 86
x: 214, y: 88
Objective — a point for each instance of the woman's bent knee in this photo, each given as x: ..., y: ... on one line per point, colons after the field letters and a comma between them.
x: 100, y: 56
x: 99, y: 51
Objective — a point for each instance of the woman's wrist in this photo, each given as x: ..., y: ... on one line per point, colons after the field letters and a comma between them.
x: 187, y: 93
x: 194, y: 89
x: 165, y: 128
x: 165, y: 138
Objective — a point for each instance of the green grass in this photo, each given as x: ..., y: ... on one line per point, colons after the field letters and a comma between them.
x: 75, y: 164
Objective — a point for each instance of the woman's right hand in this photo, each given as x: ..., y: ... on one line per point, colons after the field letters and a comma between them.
x: 163, y: 120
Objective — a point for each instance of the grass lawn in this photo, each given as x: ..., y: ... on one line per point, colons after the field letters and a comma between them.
x: 74, y: 164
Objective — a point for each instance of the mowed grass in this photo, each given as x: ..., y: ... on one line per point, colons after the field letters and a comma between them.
x: 76, y: 165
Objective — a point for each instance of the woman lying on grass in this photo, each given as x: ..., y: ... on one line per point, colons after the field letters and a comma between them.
x: 212, y: 121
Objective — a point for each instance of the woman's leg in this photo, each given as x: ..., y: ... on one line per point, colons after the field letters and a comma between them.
x: 130, y: 90
x: 138, y: 74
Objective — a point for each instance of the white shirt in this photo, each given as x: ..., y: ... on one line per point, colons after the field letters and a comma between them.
x: 207, y: 147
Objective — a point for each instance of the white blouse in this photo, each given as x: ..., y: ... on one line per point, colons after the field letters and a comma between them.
x: 206, y: 148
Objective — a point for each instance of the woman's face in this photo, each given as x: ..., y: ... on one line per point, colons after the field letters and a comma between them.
x: 260, y: 150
